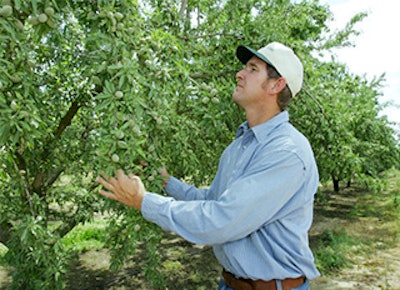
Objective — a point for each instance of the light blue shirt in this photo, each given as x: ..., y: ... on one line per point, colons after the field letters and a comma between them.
x: 259, y: 208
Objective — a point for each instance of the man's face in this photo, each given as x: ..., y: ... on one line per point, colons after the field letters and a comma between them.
x: 251, y: 86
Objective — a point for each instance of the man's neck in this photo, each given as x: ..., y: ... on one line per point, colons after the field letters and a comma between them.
x: 257, y: 117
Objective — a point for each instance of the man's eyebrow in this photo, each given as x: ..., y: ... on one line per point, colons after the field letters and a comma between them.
x: 252, y: 64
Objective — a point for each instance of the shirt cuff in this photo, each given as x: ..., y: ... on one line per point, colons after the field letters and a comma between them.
x: 153, y: 207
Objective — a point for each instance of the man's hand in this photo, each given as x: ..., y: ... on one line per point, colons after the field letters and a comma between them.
x: 165, y: 175
x: 127, y: 189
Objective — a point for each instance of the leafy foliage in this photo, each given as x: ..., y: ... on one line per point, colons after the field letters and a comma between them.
x: 330, y: 255
x: 89, y: 86
x: 343, y: 123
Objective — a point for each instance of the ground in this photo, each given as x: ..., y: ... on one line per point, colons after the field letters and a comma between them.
x: 376, y: 266
x: 188, y: 266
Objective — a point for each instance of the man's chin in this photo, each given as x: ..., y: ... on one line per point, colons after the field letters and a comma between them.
x: 236, y: 97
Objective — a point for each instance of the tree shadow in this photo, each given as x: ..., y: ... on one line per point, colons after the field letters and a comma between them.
x: 336, y: 204
x: 183, y: 265
x: 85, y: 275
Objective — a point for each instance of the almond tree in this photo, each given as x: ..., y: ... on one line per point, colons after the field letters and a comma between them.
x: 92, y: 86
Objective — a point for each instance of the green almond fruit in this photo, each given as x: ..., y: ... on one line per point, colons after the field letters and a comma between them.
x: 33, y: 20
x: 6, y: 11
x: 43, y: 18
x: 51, y: 23
x: 119, y: 94
x: 118, y: 15
x: 115, y: 158
x: 49, y: 11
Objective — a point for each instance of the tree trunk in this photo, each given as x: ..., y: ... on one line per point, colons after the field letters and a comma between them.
x: 335, y: 185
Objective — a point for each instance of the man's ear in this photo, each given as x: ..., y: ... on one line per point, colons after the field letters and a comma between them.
x: 279, y: 85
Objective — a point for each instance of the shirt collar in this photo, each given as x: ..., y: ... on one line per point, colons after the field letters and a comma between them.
x: 262, y: 131
x: 242, y: 129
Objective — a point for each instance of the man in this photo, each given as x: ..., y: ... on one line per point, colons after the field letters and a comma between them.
x: 258, y: 210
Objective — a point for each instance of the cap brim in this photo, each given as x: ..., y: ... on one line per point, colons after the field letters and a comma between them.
x: 244, y: 53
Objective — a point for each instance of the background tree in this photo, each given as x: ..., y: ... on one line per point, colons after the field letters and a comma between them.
x: 341, y: 110
x: 90, y: 86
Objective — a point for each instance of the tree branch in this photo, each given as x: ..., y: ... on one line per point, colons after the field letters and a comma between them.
x: 183, y: 8
x: 67, y: 119
x: 65, y: 228
x: 52, y: 177
x: 41, y: 181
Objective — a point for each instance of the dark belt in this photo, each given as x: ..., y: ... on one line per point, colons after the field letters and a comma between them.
x: 248, y: 284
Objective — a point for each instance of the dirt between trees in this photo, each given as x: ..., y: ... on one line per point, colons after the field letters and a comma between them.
x: 374, y: 267
x: 187, y: 266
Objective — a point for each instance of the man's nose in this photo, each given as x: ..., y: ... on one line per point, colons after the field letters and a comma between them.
x: 240, y: 74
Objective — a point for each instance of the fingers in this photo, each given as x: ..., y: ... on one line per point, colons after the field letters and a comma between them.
x: 165, y: 175
x: 163, y: 171
x: 102, y: 181
x: 104, y: 176
x: 126, y: 189
x: 120, y: 174
x: 115, y: 185
x: 107, y: 184
x: 108, y: 194
x: 119, y: 183
x: 134, y: 178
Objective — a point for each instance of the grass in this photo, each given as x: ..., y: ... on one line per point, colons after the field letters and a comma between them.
x: 330, y: 255
x: 84, y: 237
x: 88, y: 236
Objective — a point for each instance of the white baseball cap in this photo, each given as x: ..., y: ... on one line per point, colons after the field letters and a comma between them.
x: 282, y: 58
